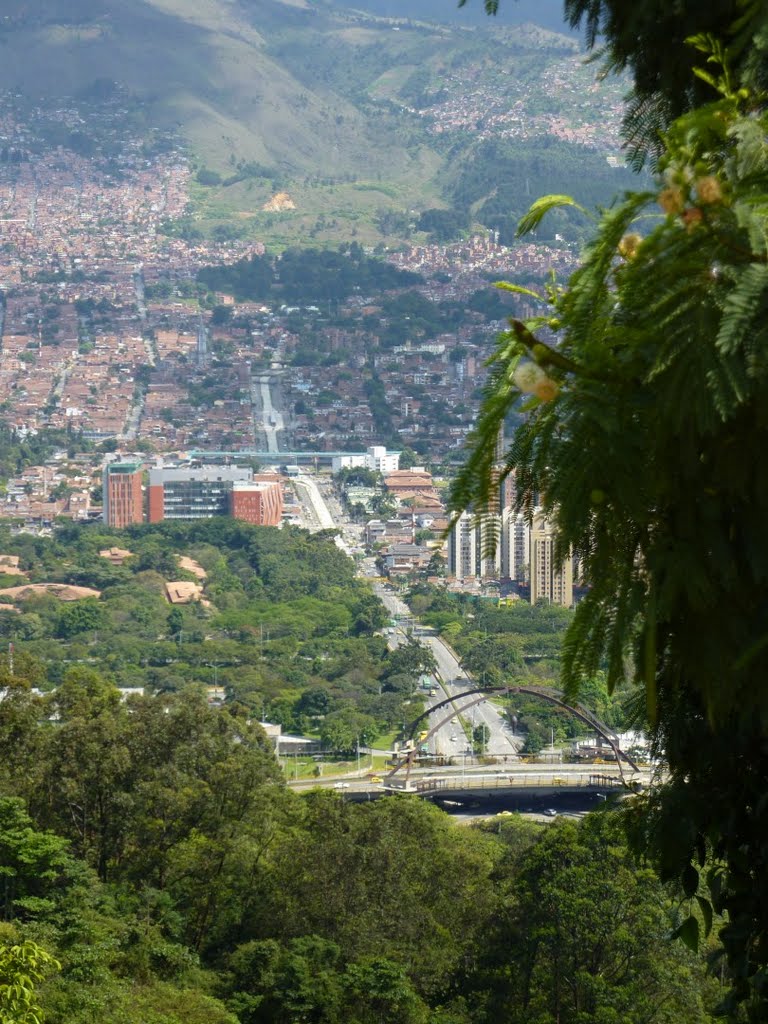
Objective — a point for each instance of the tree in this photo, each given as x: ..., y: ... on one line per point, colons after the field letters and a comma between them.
x: 22, y: 966
x: 644, y: 433
x: 389, y: 875
x: 583, y: 936
x: 480, y: 736
x: 175, y: 621
x: 33, y: 862
x: 411, y: 659
x: 84, y: 616
x: 343, y: 730
x: 409, y: 458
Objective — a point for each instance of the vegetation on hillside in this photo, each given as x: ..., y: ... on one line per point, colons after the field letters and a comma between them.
x: 354, y: 119
x: 303, y: 276
x: 287, y: 631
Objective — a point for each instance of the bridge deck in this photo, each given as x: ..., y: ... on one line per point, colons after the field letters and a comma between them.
x: 501, y: 781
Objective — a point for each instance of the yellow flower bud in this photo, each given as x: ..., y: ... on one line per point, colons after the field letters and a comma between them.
x: 671, y: 200
x: 709, y: 190
x: 546, y: 390
x: 629, y: 245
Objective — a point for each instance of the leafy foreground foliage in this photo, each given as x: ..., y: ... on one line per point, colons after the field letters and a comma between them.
x: 153, y: 849
x: 21, y: 967
x: 645, y: 431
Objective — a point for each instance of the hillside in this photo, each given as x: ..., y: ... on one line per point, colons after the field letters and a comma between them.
x: 364, y: 120
x: 547, y: 13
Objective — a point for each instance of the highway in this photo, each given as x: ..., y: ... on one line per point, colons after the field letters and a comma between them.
x: 271, y: 420
x: 453, y: 680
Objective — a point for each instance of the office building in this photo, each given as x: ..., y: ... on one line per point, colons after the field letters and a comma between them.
x: 259, y: 503
x: 203, y: 492
x: 122, y: 495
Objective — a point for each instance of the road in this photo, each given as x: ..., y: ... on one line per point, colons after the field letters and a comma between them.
x: 271, y: 419
x: 453, y: 680
x: 317, y: 514
x: 451, y: 739
x: 501, y: 742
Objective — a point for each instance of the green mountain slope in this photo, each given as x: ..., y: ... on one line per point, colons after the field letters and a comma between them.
x: 361, y: 117
x: 201, y: 66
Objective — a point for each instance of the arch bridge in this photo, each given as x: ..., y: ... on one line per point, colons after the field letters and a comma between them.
x: 478, y: 695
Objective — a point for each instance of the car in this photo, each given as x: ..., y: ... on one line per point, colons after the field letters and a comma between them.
x: 376, y: 778
x: 341, y: 785
x: 550, y: 812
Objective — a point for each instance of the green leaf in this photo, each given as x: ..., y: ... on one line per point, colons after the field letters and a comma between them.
x: 518, y: 289
x: 542, y: 206
x: 715, y: 883
x: 705, y: 77
x: 706, y: 912
x: 689, y: 933
x: 690, y: 880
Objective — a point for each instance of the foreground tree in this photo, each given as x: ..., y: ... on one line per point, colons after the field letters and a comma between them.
x: 645, y: 430
x: 583, y: 936
x: 23, y: 966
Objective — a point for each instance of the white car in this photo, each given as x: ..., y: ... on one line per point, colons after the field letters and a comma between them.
x: 341, y: 785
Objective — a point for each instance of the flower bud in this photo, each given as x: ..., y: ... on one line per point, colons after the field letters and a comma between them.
x: 671, y: 200
x: 546, y: 390
x: 709, y: 190
x: 629, y: 245
x: 692, y: 217
x: 528, y: 376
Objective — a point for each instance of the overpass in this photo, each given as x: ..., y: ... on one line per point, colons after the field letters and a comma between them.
x: 528, y: 790
x: 297, y: 458
x: 530, y: 784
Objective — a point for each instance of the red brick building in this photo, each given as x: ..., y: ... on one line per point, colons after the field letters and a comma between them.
x: 122, y: 494
x: 259, y: 503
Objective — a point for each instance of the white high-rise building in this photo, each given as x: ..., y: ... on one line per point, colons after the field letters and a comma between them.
x: 514, y: 546
x: 378, y: 459
x: 466, y: 545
